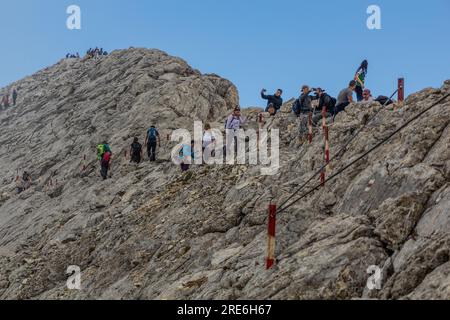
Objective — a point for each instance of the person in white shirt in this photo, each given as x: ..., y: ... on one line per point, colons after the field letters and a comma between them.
x: 367, y: 96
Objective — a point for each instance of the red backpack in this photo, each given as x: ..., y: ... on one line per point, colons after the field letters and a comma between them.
x: 107, y: 156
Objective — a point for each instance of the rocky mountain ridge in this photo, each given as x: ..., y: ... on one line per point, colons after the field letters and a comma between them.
x: 152, y: 232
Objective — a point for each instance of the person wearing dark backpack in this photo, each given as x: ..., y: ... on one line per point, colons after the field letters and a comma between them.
x: 136, y: 151
x: 152, y: 140
x: 302, y: 108
x: 360, y: 78
x: 325, y: 100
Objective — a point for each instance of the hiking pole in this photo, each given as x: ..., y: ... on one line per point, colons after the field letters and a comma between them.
x: 271, y: 236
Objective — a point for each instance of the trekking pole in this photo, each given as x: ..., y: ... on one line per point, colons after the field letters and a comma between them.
x: 271, y: 236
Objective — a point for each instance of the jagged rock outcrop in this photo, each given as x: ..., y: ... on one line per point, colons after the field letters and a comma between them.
x: 151, y: 232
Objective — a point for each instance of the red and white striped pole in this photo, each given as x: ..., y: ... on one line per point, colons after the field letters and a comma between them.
x: 327, y: 154
x: 324, y: 117
x: 401, y: 91
x: 310, y: 127
x: 271, y: 236
x: 327, y: 145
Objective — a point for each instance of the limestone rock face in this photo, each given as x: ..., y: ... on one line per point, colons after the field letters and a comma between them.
x: 152, y: 232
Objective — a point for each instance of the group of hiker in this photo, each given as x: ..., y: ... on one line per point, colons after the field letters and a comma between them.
x: 72, y: 56
x: 93, y: 53
x: 302, y: 107
x: 328, y: 106
x: 6, y: 102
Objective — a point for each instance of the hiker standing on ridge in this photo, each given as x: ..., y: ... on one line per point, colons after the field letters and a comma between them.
x: 302, y: 107
x: 345, y: 97
x: 275, y: 99
x: 151, y: 141
x: 136, y: 151
x: 233, y: 124
x: 360, y: 78
x: 14, y: 96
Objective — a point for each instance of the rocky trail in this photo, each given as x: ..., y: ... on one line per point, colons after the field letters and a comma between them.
x: 152, y: 232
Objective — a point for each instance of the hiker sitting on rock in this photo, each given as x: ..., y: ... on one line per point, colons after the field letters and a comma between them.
x: 271, y: 109
x: 325, y: 101
x: 367, y: 96
x: 345, y: 97
x: 275, y: 99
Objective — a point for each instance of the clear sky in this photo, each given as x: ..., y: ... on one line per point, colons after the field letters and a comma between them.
x: 254, y: 43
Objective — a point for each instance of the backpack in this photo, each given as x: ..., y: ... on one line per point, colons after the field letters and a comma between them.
x: 331, y: 104
x: 296, y: 107
x: 100, y: 151
x: 384, y: 100
x: 136, y: 148
x: 152, y: 133
x: 231, y: 123
x: 106, y: 157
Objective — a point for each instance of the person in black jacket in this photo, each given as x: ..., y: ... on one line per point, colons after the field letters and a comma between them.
x: 275, y: 99
x: 325, y: 100
x: 136, y: 151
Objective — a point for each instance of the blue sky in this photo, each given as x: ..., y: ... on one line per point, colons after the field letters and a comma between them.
x: 255, y: 44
